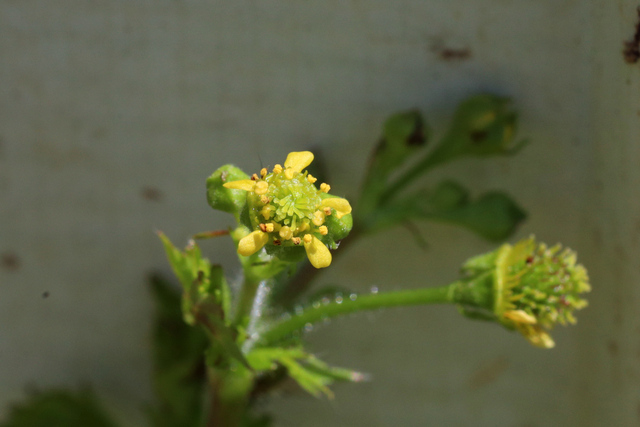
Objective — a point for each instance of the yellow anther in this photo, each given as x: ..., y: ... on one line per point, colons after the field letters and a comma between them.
x: 264, y: 199
x: 288, y: 173
x: 276, y: 226
x: 261, y: 187
x: 296, y: 240
x: 277, y: 169
x: 308, y: 238
x: 286, y: 233
x: 318, y: 218
x: 243, y: 184
x: 326, y: 210
x: 263, y: 172
x: 323, y: 230
x: 311, y: 178
x: 254, y: 177
x: 266, y: 211
x: 266, y: 228
x: 324, y: 187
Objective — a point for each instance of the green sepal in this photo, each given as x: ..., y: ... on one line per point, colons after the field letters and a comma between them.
x: 224, y: 199
x: 58, y: 408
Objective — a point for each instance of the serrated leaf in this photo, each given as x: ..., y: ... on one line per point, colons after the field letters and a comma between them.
x: 58, y: 408
x: 179, y: 376
x: 309, y: 372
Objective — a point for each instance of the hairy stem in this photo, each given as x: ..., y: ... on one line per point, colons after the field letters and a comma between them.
x: 340, y: 307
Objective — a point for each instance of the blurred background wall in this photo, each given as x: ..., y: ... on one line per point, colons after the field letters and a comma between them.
x: 113, y: 113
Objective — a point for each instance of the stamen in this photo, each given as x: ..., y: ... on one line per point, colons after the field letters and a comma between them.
x: 263, y: 172
x: 288, y: 173
x: 286, y: 233
x: 323, y: 230
x: 261, y: 187
x: 318, y: 218
x: 324, y: 187
x: 277, y: 169
x: 311, y: 179
x: 296, y: 240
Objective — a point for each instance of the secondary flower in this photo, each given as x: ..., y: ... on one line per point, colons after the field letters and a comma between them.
x: 534, y: 287
x: 286, y: 209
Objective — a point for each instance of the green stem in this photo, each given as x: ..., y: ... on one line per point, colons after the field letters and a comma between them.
x: 406, y: 178
x: 346, y: 305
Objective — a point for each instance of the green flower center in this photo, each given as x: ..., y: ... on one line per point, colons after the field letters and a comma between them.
x: 294, y: 199
x: 547, y: 284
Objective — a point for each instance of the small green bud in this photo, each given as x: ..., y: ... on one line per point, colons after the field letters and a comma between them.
x: 222, y: 198
x: 483, y: 125
x: 532, y: 288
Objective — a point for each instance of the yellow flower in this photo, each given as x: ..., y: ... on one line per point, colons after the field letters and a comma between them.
x: 286, y: 209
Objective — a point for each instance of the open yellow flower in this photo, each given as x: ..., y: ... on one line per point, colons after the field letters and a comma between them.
x: 287, y: 209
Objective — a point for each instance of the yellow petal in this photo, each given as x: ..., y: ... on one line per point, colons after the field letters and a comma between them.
x: 252, y: 243
x: 536, y: 336
x: 243, y: 184
x: 520, y: 316
x: 341, y: 206
x: 317, y: 252
x: 298, y: 160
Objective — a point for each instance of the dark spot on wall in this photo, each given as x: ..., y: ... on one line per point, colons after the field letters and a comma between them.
x: 449, y: 54
x: 152, y: 194
x: 45, y: 294
x: 631, y: 51
x: 612, y: 347
x: 99, y: 133
x: 10, y: 261
x: 488, y: 372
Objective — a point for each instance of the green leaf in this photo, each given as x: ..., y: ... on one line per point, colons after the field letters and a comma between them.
x: 494, y: 216
x: 179, y: 375
x: 403, y: 134
x: 58, y: 408
x: 310, y: 373
x: 224, y: 199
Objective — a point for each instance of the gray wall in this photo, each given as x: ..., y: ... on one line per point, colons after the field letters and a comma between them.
x: 113, y: 113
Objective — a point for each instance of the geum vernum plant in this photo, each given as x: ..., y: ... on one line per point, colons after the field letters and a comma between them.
x: 249, y: 335
x: 283, y: 218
